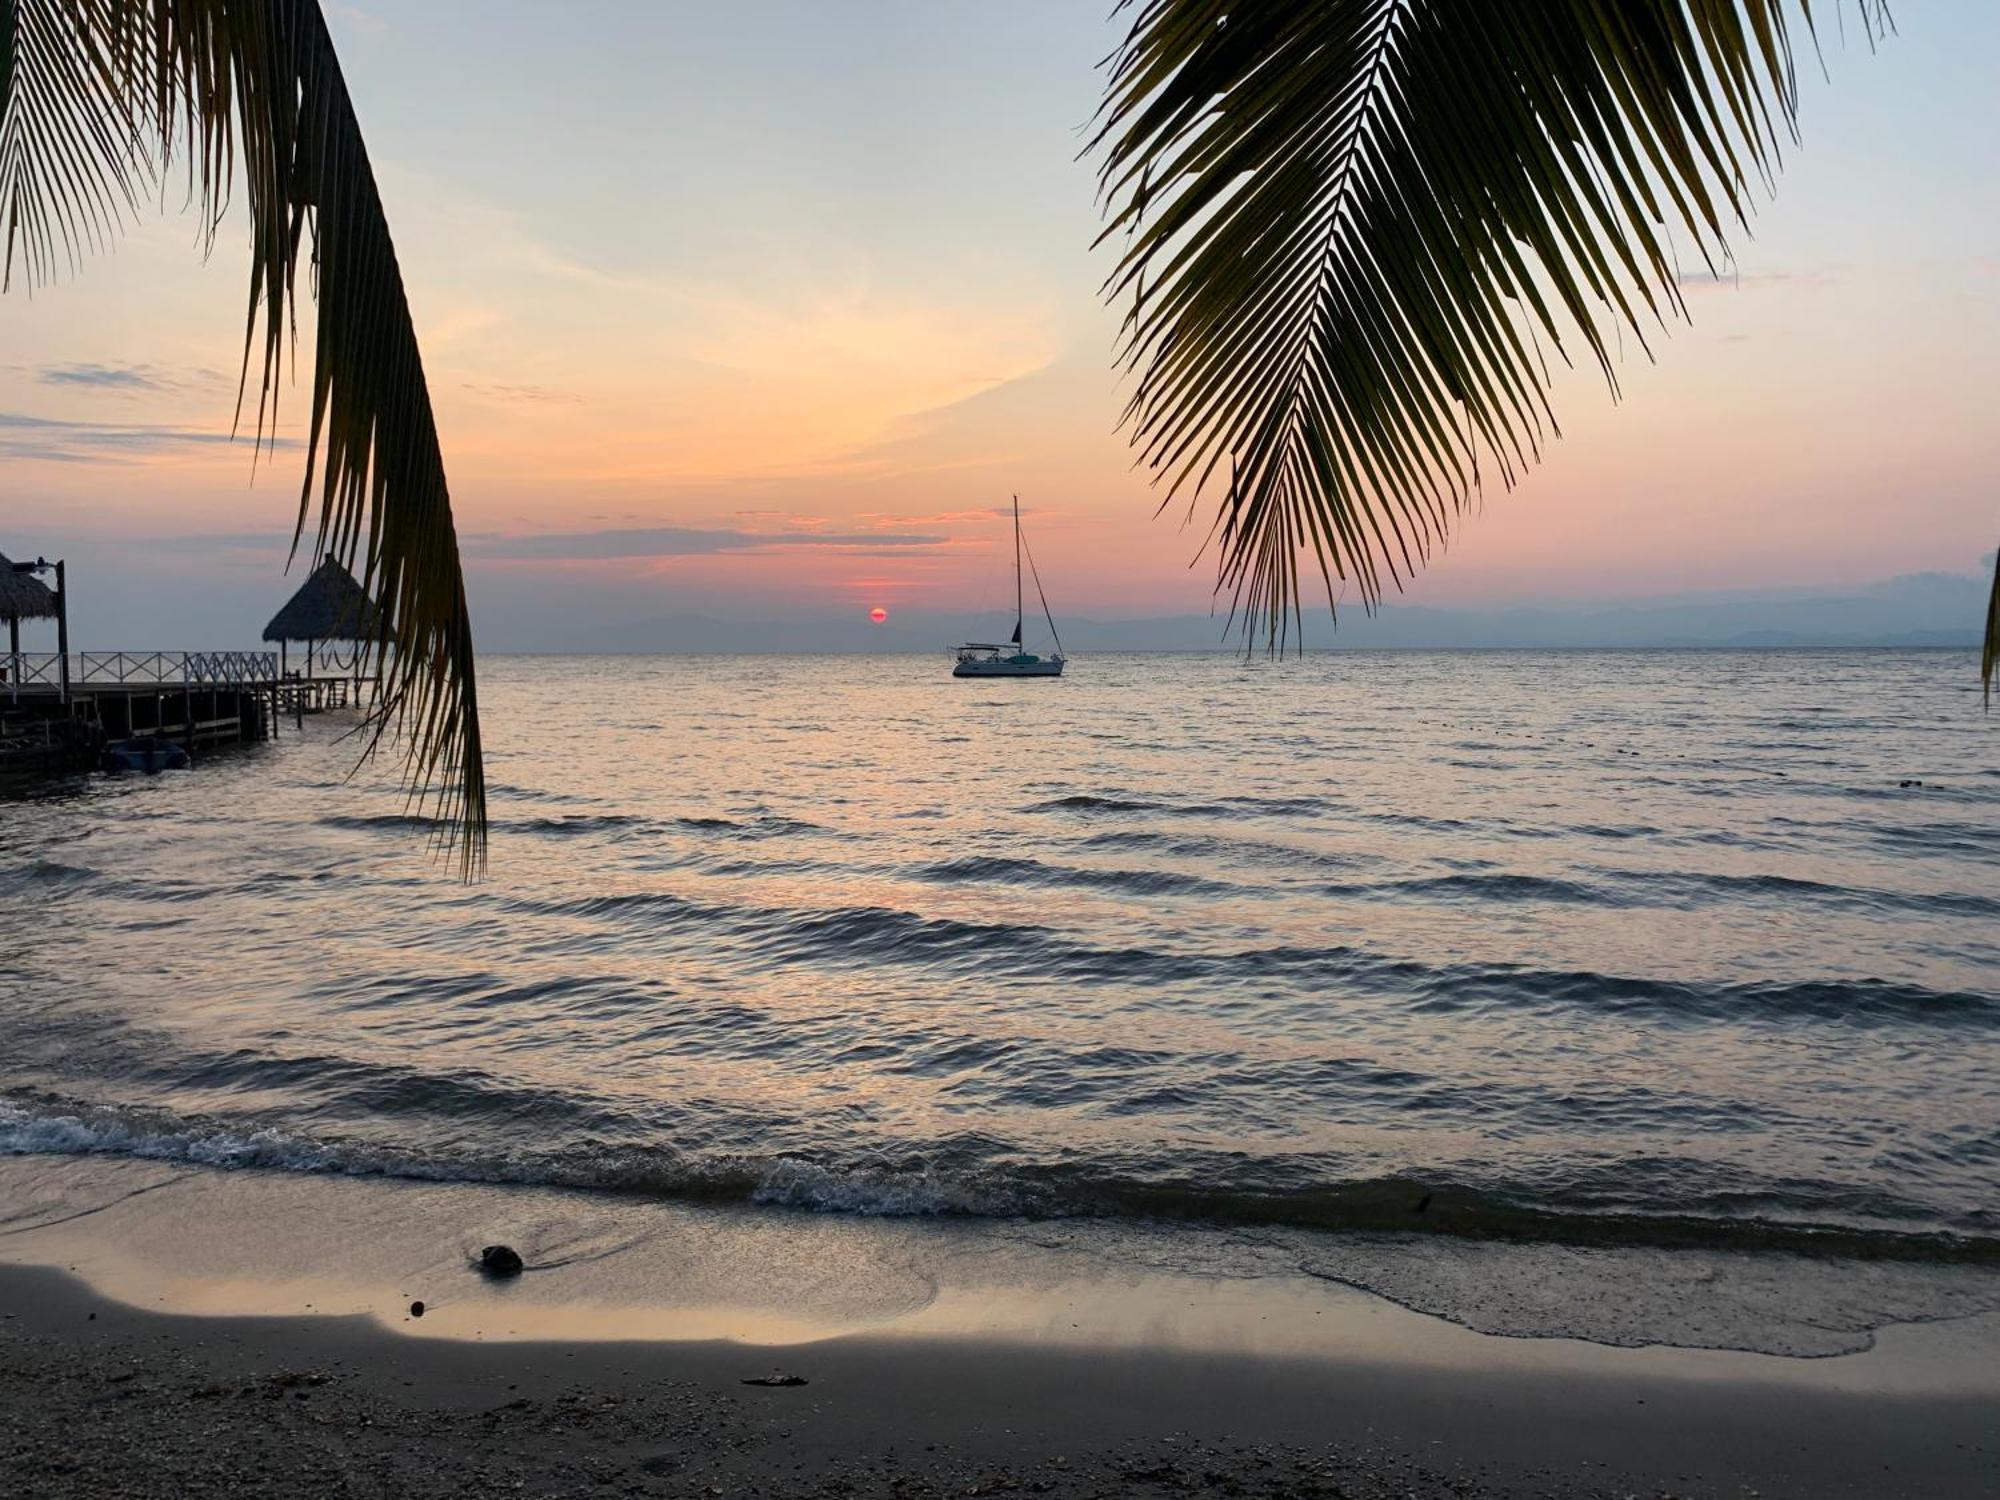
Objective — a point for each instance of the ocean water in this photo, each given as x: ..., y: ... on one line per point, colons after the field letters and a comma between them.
x: 1569, y: 948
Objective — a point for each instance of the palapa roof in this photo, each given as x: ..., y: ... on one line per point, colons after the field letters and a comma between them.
x: 329, y: 606
x: 23, y: 596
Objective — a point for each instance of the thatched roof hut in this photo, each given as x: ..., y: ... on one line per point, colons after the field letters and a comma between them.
x: 329, y: 606
x: 23, y: 596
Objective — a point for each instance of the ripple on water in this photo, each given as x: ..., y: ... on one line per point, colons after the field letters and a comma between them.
x: 1558, y: 938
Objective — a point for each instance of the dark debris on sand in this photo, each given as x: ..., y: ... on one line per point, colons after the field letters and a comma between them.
x: 144, y: 1416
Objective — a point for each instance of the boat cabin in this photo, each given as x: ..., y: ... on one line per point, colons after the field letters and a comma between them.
x: 982, y: 651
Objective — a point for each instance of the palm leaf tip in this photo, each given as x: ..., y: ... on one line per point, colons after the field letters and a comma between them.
x: 1989, y: 653
x: 1354, y: 234
x: 96, y: 97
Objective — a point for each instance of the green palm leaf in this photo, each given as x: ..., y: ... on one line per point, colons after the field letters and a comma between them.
x: 98, y: 98
x: 1355, y: 231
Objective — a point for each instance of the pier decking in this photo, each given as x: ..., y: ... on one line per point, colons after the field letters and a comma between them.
x: 195, y: 698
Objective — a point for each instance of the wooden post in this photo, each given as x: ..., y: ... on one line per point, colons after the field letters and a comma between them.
x: 14, y: 655
x: 62, y: 628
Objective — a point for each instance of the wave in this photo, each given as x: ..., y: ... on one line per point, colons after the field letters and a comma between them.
x: 761, y: 826
x: 1497, y: 886
x: 1383, y: 1204
x: 1224, y: 850
x: 505, y: 789
x: 1696, y: 888
x: 1947, y: 840
x: 1091, y: 804
x: 379, y: 822
x: 578, y: 824
x: 1420, y: 820
x: 990, y: 868
x: 1856, y: 1002
x: 1682, y: 889
x: 47, y: 873
x: 856, y: 936
x: 573, y: 825
x: 1222, y: 807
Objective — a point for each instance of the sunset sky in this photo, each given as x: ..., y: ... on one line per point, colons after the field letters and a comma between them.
x: 766, y: 309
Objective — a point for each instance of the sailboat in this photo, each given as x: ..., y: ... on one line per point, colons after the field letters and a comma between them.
x: 1010, y: 659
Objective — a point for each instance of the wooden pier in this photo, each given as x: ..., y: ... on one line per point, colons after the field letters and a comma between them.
x: 59, y: 711
x: 197, y: 699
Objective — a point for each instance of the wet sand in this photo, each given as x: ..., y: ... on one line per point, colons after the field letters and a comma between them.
x: 103, y: 1399
x: 175, y: 1333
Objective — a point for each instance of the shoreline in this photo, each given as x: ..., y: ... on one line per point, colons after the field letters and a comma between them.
x: 175, y: 1331
x: 629, y: 1266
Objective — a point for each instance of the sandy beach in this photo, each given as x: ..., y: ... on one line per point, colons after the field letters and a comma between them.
x: 182, y: 1332
x: 104, y: 1399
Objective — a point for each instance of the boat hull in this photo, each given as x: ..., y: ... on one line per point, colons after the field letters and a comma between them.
x: 1052, y: 667
x: 148, y: 755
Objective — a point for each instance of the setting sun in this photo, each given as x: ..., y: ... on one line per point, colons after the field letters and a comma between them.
x: 878, y: 614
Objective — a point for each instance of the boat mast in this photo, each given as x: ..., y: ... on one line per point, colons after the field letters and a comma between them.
x: 1020, y: 615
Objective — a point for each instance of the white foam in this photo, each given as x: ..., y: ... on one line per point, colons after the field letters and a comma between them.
x: 790, y: 1183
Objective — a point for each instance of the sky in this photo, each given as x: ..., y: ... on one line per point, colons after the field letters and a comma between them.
x: 765, y: 310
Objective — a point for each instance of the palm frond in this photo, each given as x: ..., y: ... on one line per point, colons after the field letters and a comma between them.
x: 99, y: 97
x: 72, y: 151
x: 1989, y: 655
x: 1355, y: 230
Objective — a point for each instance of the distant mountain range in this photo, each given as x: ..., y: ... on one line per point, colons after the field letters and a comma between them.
x: 1919, y: 610
x: 125, y: 597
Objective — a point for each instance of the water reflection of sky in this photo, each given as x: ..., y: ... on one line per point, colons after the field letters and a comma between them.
x: 1645, y: 930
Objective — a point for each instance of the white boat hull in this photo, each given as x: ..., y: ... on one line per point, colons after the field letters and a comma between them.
x: 1036, y: 666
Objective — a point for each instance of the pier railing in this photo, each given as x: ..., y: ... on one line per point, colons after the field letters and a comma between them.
x: 43, y: 669
x: 31, y: 669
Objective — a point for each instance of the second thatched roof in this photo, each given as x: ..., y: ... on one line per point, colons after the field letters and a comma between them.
x: 329, y: 606
x: 23, y: 596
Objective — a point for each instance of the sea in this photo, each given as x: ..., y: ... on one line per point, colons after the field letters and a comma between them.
x: 1666, y: 948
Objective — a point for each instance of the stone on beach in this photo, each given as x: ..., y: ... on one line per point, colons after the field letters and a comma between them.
x: 500, y: 1260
